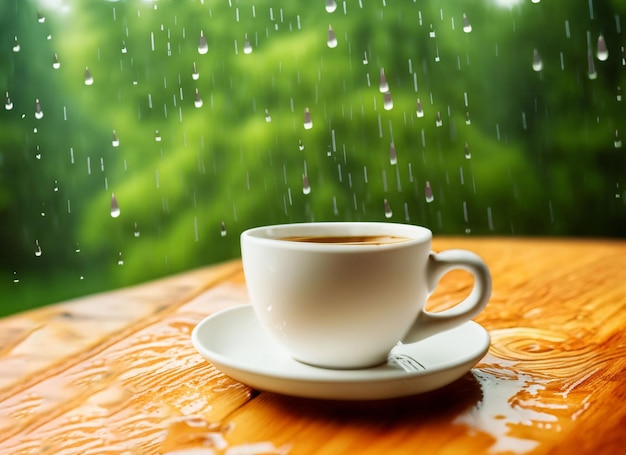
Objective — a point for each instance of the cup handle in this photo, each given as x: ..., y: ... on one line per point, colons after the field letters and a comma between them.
x: 427, y: 323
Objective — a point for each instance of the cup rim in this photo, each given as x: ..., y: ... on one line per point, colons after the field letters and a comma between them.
x: 274, y: 234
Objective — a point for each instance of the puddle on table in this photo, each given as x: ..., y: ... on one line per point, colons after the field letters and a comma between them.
x: 518, y: 404
x: 193, y: 435
x: 497, y: 412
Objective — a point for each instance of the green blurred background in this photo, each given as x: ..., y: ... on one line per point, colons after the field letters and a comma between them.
x: 521, y: 131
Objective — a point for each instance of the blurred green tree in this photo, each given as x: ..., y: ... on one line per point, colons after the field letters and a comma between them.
x: 190, y: 118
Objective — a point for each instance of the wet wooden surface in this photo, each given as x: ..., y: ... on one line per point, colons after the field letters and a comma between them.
x: 116, y: 373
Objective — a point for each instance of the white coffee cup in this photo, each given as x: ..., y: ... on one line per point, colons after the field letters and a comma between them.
x: 345, y: 305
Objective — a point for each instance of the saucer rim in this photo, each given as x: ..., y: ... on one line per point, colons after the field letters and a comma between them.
x: 384, y: 373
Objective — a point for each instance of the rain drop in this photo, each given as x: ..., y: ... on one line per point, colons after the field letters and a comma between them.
x: 388, y: 212
x: 120, y: 260
x: 268, y: 117
x: 393, y: 158
x: 420, y: 110
x: 428, y: 193
x: 195, y: 75
x: 537, y: 63
x: 197, y: 101
x: 55, y: 62
x: 332, y: 39
x: 365, y: 60
x: 438, y: 120
x: 388, y: 101
x: 383, y: 86
x: 306, y: 188
x: 124, y: 48
x: 591, y: 68
x: 467, y: 28
x: 38, y: 252
x: 136, y: 233
x: 603, y: 52
x: 41, y: 19
x: 115, y: 208
x: 300, y: 145
x: 157, y: 136
x: 247, y: 47
x: 15, y: 277
x: 88, y: 77
x: 617, y: 142
x: 38, y: 110
x: 223, y: 229
x: 331, y: 6
x: 308, y: 123
x: 16, y: 45
x: 468, y: 154
x: 203, y: 47
x: 8, y: 104
x: 115, y: 142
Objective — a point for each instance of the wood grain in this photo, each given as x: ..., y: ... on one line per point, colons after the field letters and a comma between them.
x: 116, y: 372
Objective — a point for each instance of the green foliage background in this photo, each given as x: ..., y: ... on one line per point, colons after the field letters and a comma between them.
x: 544, y: 159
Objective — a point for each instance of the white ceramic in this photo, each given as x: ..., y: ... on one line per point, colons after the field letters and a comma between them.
x: 235, y: 343
x: 345, y: 306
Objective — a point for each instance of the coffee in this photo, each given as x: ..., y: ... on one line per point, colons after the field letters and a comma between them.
x: 349, y: 240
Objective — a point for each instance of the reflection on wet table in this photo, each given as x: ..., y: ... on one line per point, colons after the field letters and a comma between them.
x: 117, y: 373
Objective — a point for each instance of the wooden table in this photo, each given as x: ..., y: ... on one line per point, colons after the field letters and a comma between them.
x: 117, y: 373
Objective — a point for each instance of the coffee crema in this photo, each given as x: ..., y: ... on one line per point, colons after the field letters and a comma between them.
x: 348, y: 239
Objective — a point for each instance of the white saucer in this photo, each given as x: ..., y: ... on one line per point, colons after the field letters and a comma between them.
x: 236, y: 345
